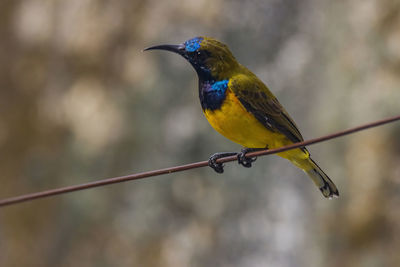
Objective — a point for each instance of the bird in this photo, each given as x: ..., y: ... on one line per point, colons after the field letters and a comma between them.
x: 241, y: 107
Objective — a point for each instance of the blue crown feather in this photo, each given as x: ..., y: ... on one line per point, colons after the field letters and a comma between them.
x: 193, y: 44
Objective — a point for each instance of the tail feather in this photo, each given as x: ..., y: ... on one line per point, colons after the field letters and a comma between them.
x: 319, y: 177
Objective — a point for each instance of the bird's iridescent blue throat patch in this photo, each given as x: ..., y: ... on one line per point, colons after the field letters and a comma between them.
x: 212, y: 94
x: 193, y: 44
x: 220, y: 87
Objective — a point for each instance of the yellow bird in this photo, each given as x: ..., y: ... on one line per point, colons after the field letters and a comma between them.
x: 241, y: 107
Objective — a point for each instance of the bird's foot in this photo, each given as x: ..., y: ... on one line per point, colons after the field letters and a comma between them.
x: 219, y: 167
x: 241, y: 157
x: 246, y: 161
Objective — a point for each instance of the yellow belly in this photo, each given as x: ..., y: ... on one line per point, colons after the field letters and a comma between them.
x: 234, y: 122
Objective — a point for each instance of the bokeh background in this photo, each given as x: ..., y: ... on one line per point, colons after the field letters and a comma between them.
x: 80, y: 101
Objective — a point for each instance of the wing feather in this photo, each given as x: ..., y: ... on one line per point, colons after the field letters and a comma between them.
x: 257, y: 99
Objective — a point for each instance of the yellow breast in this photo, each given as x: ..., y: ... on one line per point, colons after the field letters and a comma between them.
x: 234, y: 122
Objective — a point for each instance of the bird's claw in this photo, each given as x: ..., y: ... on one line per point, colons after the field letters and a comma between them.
x: 218, y: 167
x: 241, y: 157
x: 243, y: 160
x: 212, y: 162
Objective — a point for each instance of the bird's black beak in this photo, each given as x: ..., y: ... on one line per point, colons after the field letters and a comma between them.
x: 179, y: 49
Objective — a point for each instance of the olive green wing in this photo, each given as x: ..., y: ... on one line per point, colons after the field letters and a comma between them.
x: 258, y: 100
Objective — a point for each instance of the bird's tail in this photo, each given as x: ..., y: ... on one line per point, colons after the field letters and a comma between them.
x: 327, y: 187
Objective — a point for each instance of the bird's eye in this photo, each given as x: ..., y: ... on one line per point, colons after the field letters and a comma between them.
x: 201, y: 55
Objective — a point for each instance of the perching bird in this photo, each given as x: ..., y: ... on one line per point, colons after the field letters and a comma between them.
x: 240, y: 106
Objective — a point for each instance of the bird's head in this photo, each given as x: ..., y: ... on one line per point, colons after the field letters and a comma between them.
x: 211, y: 59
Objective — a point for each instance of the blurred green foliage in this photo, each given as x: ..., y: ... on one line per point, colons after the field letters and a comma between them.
x: 79, y: 101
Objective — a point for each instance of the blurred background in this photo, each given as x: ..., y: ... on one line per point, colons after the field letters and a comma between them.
x: 80, y: 101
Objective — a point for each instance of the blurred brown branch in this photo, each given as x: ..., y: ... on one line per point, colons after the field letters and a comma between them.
x: 52, y: 192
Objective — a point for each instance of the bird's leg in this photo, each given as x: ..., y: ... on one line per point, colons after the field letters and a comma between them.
x: 241, y: 156
x: 219, y: 167
x: 246, y: 161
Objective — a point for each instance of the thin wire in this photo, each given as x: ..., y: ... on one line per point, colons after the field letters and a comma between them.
x: 141, y: 175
